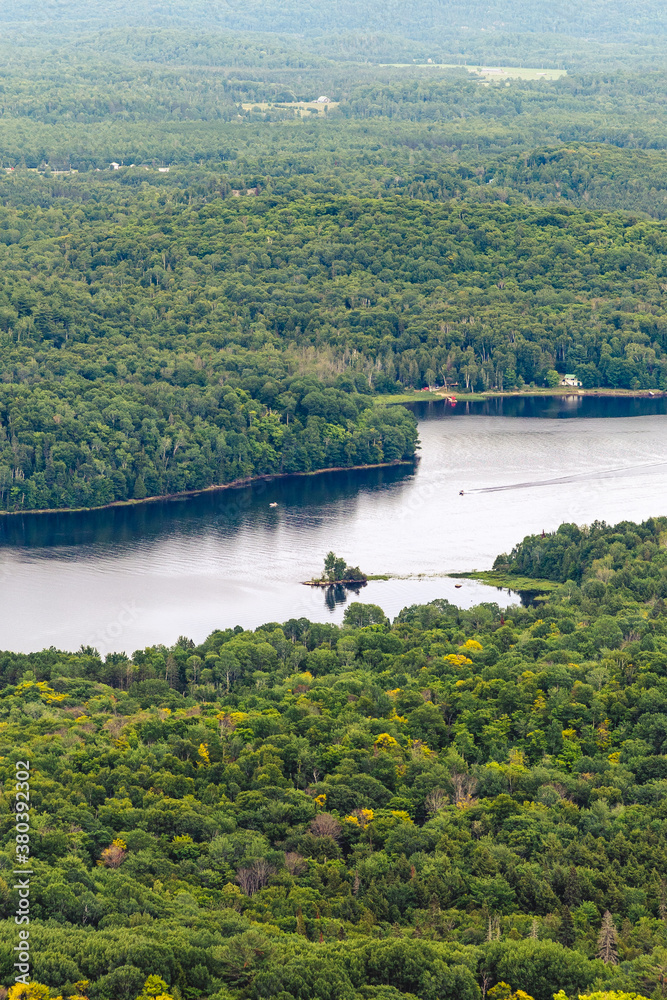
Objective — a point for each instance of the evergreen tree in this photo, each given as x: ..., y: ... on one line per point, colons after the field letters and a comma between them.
x: 566, y: 934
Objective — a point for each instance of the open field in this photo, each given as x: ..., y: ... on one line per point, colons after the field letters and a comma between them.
x: 303, y: 108
x: 406, y: 397
x: 516, y: 72
x: 490, y: 72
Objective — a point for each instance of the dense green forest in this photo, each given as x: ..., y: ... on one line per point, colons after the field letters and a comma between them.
x: 156, y: 340
x: 622, y: 556
x: 203, y: 278
x: 423, y: 808
x: 391, y: 242
x: 164, y: 330
x: 167, y: 97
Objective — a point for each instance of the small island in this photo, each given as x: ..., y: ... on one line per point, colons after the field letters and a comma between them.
x: 338, y: 573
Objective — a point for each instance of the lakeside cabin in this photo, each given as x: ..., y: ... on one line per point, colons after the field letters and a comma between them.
x: 570, y: 380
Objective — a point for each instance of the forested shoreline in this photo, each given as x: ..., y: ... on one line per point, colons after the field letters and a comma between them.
x: 425, y: 808
x: 153, y: 343
x: 227, y: 302
x: 235, y: 484
x: 229, y: 235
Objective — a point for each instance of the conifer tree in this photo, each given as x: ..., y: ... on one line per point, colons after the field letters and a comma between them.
x: 566, y: 934
x: 607, y: 950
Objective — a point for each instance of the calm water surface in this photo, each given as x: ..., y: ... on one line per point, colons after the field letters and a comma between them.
x: 129, y: 577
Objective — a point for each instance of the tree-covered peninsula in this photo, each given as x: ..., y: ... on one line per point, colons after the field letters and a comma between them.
x: 153, y: 341
x: 429, y: 808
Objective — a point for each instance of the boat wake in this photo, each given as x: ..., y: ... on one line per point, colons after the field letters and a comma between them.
x: 581, y: 477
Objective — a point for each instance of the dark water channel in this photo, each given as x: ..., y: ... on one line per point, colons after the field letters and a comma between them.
x: 124, y: 578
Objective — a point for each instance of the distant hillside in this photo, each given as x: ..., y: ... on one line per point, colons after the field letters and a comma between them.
x: 612, y: 20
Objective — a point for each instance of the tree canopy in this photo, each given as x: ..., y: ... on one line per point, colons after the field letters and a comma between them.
x: 437, y: 805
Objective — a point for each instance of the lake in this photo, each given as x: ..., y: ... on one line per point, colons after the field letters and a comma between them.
x: 124, y: 578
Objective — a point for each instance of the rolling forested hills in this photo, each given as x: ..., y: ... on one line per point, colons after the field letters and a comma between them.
x: 205, y: 276
x: 226, y: 302
x: 609, y: 19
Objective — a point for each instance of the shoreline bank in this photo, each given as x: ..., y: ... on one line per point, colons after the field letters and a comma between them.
x: 477, y: 397
x: 236, y: 484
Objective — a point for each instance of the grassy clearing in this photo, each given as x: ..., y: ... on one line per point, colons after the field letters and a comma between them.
x: 490, y: 72
x: 405, y: 397
x: 508, y: 581
x: 516, y: 73
x: 303, y: 108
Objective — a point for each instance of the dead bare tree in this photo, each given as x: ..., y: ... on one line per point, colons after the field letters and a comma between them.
x: 325, y: 825
x: 252, y: 879
x: 487, y: 979
x: 435, y: 800
x: 295, y: 863
x: 465, y: 787
x: 607, y: 950
x: 493, y: 931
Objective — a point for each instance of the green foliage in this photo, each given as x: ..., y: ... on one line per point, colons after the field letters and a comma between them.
x: 119, y: 406
x: 336, y: 570
x: 154, y: 989
x: 610, y: 995
x: 600, y: 558
x: 455, y: 799
x: 181, y: 378
x: 229, y: 316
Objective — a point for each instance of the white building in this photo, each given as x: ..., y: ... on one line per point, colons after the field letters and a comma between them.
x: 570, y: 380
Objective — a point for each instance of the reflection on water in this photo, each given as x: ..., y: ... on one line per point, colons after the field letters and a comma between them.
x: 224, y: 511
x: 130, y: 576
x: 546, y: 407
x: 338, y: 594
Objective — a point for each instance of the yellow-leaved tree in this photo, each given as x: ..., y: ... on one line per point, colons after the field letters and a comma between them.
x: 503, y: 991
x: 31, y: 991
x: 603, y: 995
x: 155, y: 989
